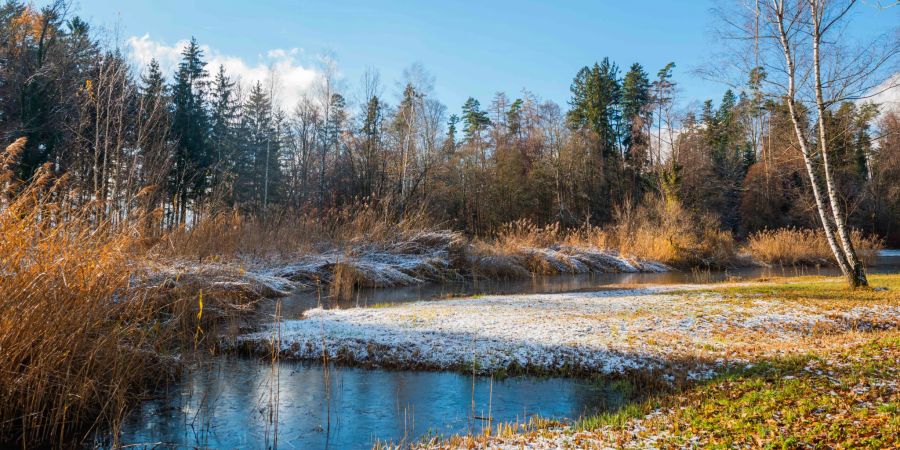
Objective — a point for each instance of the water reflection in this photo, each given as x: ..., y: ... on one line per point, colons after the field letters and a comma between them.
x: 228, y: 404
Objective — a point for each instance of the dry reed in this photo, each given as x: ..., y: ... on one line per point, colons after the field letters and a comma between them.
x: 792, y: 246
x: 78, y: 344
x: 659, y: 230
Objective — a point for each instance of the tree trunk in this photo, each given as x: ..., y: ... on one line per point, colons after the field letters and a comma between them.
x: 856, y: 274
x: 822, y: 208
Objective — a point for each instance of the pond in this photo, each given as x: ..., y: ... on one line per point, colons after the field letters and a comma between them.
x: 230, y: 401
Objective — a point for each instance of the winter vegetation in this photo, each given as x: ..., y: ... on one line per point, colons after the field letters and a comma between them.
x: 830, y: 386
x: 652, y: 330
x: 144, y: 214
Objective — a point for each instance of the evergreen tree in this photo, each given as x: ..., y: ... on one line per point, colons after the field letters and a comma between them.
x: 337, y: 122
x: 190, y: 129
x: 635, y: 108
x: 257, y: 161
x: 514, y: 117
x: 153, y: 83
x: 452, y: 122
x: 371, y: 132
x: 222, y: 140
x: 596, y: 97
x: 474, y: 118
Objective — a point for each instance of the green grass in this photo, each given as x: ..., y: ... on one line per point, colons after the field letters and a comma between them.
x: 842, y: 400
x: 828, y: 399
x: 838, y: 396
x: 883, y: 289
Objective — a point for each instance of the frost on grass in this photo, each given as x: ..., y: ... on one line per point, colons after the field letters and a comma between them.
x: 433, y: 256
x: 608, y: 332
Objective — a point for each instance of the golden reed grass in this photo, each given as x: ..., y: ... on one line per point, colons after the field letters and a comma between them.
x: 660, y: 230
x: 792, y: 246
x: 77, y: 343
x: 283, y: 234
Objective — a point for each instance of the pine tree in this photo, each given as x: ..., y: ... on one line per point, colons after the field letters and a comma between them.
x: 222, y: 140
x: 663, y: 96
x: 514, y: 117
x: 635, y: 108
x: 190, y: 129
x: 474, y: 118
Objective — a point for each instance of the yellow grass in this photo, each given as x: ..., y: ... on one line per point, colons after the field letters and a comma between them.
x: 660, y: 230
x: 77, y: 343
x: 283, y: 234
x: 792, y: 246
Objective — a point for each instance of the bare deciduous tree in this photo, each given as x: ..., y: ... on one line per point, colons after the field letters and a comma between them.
x: 818, y: 71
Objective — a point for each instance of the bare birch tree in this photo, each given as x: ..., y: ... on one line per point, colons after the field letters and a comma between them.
x: 818, y: 71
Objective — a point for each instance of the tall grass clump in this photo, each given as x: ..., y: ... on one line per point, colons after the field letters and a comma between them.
x: 793, y: 246
x: 78, y: 344
x: 663, y: 230
x: 659, y: 230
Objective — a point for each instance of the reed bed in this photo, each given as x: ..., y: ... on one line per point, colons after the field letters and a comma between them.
x: 660, y: 230
x: 78, y: 344
x: 793, y: 246
x: 285, y: 234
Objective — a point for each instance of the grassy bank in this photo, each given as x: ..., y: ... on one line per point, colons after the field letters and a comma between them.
x: 685, y: 332
x: 366, y: 246
x: 840, y: 392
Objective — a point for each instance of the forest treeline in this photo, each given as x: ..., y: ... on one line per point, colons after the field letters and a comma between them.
x: 175, y: 148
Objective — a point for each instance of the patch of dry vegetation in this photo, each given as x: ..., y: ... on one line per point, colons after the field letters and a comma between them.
x: 283, y: 235
x: 89, y: 326
x: 659, y: 230
x: 78, y: 344
x: 793, y: 246
x: 663, y: 230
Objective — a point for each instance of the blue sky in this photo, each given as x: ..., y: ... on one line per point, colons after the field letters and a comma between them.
x: 471, y: 48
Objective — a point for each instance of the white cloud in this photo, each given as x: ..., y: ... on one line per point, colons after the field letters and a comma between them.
x: 887, y: 94
x: 292, y: 78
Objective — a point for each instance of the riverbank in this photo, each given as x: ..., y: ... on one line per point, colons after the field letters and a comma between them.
x: 413, y: 259
x: 682, y: 333
x: 232, y: 255
x: 842, y: 398
x: 830, y: 386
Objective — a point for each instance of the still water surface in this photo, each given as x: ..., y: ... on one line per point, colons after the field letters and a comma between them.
x: 227, y: 402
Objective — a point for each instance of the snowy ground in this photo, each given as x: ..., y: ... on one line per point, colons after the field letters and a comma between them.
x: 608, y: 331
